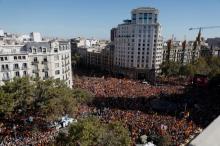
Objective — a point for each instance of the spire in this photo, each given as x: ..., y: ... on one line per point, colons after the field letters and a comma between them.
x: 184, y: 44
x: 199, y: 36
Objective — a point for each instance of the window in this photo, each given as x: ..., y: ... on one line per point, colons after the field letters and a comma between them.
x: 145, y: 15
x: 6, y: 66
x: 17, y: 74
x: 24, y: 65
x: 57, y: 72
x: 134, y: 17
x: 24, y: 73
x: 6, y: 76
x: 55, y: 49
x: 19, y: 57
x: 2, y: 59
x: 40, y: 50
x: 35, y: 59
x: 44, y: 50
x: 3, y: 67
x: 45, y: 59
x: 16, y: 66
x: 46, y: 74
x: 23, y: 57
x: 34, y: 50
x: 6, y: 58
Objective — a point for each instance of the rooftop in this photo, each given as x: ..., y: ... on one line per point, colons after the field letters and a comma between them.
x: 148, y: 9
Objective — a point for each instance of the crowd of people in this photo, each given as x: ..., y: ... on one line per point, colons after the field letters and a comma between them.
x: 37, y: 139
x: 140, y: 123
x: 21, y: 131
x: 127, y: 101
x: 113, y: 87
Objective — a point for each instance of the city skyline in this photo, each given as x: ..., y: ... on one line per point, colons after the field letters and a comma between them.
x: 70, y: 19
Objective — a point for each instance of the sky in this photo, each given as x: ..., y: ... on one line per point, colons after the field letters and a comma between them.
x: 95, y: 18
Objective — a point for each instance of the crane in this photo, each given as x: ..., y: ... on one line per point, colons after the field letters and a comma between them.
x: 207, y: 27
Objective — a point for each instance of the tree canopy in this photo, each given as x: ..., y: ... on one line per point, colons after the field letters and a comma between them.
x: 209, y: 66
x: 52, y: 98
x: 90, y: 132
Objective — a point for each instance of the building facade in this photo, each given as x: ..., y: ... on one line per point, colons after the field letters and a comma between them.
x: 178, y: 51
x: 36, y: 59
x: 214, y: 45
x: 138, y: 44
x: 103, y: 58
x: 13, y: 62
x: 35, y: 37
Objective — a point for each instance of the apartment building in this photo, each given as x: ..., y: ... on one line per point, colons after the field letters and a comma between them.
x: 36, y: 59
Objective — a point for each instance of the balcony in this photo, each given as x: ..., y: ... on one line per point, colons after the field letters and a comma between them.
x: 16, y: 68
x: 5, y: 79
x: 35, y: 71
x: 5, y: 69
x: 24, y: 68
x: 46, y: 69
x: 34, y: 62
x: 44, y: 62
x: 45, y: 77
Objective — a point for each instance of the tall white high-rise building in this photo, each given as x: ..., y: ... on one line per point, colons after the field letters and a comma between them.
x: 138, y: 43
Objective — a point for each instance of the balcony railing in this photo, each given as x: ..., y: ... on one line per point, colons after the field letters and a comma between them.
x: 24, y: 68
x: 44, y: 62
x: 46, y: 68
x: 5, y: 69
x: 46, y: 77
x: 35, y: 71
x: 5, y: 79
x: 34, y: 62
